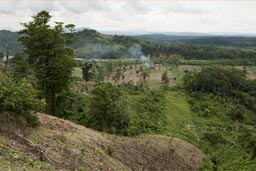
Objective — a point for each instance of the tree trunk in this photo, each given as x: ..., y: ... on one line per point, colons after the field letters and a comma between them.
x: 50, y: 102
x: 86, y: 86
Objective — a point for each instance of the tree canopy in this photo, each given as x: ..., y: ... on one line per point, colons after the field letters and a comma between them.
x: 48, y: 53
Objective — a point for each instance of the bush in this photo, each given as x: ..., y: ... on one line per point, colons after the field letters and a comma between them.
x: 213, y: 138
x: 108, y: 109
x: 72, y: 105
x: 248, y: 140
x: 216, y: 80
x: 149, y: 113
x: 217, y: 90
x: 19, y: 99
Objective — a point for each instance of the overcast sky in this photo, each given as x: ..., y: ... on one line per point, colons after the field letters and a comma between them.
x: 151, y: 16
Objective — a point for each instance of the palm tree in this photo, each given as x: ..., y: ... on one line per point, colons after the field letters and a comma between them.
x: 87, y: 72
x: 118, y: 75
x: 145, y: 74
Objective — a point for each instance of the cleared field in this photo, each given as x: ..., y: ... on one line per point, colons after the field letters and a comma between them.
x: 175, y: 75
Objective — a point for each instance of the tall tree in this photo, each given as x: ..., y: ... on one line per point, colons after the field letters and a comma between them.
x: 87, y: 72
x: 108, y: 108
x: 48, y: 53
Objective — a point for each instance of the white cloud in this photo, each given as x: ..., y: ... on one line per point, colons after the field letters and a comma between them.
x: 179, y: 16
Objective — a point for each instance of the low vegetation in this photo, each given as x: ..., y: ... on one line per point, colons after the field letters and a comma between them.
x: 19, y: 99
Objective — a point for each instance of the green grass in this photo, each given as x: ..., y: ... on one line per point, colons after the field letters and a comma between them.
x: 178, y: 74
x: 18, y: 161
x: 77, y: 72
x: 154, y: 79
x: 179, y: 114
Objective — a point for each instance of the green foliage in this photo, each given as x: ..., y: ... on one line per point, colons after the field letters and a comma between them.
x: 19, y: 100
x: 207, y: 164
x: 73, y: 106
x: 117, y: 75
x: 248, y: 140
x: 51, y: 58
x: 222, y: 61
x: 230, y: 86
x: 222, y: 96
x: 213, y: 138
x: 216, y: 80
x: 19, y: 67
x: 144, y: 73
x: 173, y: 60
x: 108, y: 109
x: 87, y: 70
x: 195, y: 52
x: 132, y: 89
x: 165, y: 78
x: 218, y: 136
x: 149, y: 113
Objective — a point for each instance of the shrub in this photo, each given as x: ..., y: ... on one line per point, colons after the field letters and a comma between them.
x: 221, y: 91
x: 213, y: 138
x: 149, y: 113
x: 108, y: 109
x: 72, y: 105
x: 216, y: 80
x: 19, y: 99
x: 248, y: 140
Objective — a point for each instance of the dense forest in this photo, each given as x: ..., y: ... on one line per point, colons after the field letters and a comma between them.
x: 236, y: 41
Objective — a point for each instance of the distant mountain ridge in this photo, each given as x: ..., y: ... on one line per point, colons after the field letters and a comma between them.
x: 93, y: 44
x: 142, y: 33
x: 213, y: 40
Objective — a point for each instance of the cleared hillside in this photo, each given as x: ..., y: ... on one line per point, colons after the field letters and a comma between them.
x: 62, y: 145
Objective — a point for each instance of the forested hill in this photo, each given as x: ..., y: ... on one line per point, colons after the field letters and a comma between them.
x: 224, y: 41
x: 9, y: 38
x: 163, y: 38
x: 237, y: 41
x: 92, y: 44
x: 87, y: 44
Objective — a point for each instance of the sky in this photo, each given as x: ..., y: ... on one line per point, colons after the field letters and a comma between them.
x: 138, y: 16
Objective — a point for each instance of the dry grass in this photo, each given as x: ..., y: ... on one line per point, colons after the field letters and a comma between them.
x: 72, y: 147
